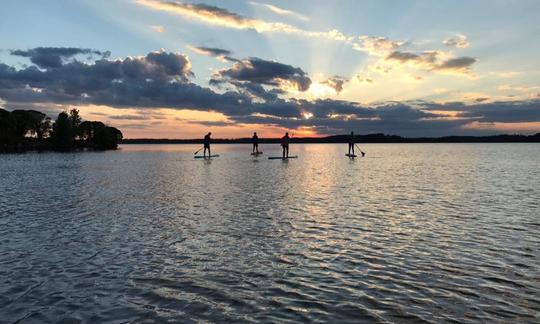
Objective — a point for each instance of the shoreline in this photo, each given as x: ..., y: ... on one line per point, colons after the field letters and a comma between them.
x: 344, y: 139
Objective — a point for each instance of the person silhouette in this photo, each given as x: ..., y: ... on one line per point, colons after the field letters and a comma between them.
x: 255, y: 141
x: 207, y: 144
x: 285, y: 145
x: 351, y: 143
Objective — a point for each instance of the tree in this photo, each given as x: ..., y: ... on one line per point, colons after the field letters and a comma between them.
x: 88, y: 130
x: 75, y: 120
x: 62, y: 134
x: 7, y: 131
x: 38, y: 123
x: 68, y: 127
x: 107, y: 138
x: 44, y: 128
x: 23, y: 122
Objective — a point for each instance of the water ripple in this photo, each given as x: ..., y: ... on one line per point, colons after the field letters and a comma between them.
x: 422, y: 233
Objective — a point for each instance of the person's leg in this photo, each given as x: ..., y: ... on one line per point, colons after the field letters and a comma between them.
x: 253, y: 150
x: 257, y: 147
x: 204, y: 151
x: 349, y: 148
x: 209, y: 154
x: 283, y: 147
x: 287, y: 150
x: 352, y: 147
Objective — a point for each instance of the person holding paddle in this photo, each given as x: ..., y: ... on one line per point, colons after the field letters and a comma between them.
x: 255, y: 141
x: 351, y: 143
x: 207, y: 144
x: 285, y: 145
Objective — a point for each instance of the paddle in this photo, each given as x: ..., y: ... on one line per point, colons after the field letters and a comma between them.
x: 360, y: 150
x: 198, y: 151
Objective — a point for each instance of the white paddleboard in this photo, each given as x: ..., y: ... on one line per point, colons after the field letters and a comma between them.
x: 206, y: 157
x: 256, y: 153
x: 282, y: 158
x: 351, y: 155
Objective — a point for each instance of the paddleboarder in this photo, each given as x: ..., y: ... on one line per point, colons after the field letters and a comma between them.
x: 351, y: 143
x: 207, y: 144
x: 255, y: 141
x: 285, y: 145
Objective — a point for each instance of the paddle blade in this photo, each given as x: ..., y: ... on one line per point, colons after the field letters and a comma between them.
x: 363, y: 154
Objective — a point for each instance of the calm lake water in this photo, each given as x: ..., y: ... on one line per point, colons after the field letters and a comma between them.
x: 410, y: 233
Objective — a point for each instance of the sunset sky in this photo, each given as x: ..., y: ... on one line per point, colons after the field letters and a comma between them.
x: 178, y: 69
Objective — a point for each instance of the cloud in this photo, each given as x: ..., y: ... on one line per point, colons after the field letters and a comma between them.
x: 426, y: 60
x: 377, y: 46
x: 504, y: 112
x: 255, y: 71
x: 53, y: 57
x: 433, y: 60
x: 491, y: 112
x: 164, y: 80
x: 456, y: 64
x: 129, y: 117
x: 158, y: 28
x: 336, y: 82
x: 216, y: 16
x: 460, y: 41
x: 77, y: 82
x: 221, y: 54
x: 362, y: 78
x: 281, y: 11
x: 212, y: 123
x: 222, y: 17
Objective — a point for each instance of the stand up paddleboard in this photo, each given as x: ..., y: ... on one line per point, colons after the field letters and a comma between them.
x: 256, y: 153
x: 282, y: 158
x: 206, y: 157
x: 351, y: 155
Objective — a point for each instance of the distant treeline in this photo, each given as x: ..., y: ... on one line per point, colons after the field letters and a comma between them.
x: 370, y: 138
x: 24, y: 130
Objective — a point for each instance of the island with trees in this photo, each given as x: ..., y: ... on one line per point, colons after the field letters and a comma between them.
x: 27, y: 130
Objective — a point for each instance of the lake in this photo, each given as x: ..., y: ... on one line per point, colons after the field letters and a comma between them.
x: 409, y: 233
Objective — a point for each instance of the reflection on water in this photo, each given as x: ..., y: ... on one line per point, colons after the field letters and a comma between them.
x: 445, y: 232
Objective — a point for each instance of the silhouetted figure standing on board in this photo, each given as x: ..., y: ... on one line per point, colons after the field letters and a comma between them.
x: 207, y: 144
x: 285, y: 145
x: 255, y: 140
x: 351, y: 143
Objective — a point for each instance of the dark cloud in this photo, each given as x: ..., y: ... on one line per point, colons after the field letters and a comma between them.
x: 430, y: 60
x: 214, y: 51
x: 459, y: 63
x: 427, y: 58
x: 54, y: 57
x: 219, y: 53
x: 490, y: 112
x: 212, y: 11
x: 163, y: 80
x: 481, y: 99
x: 106, y: 81
x: 504, y: 112
x: 336, y: 82
x: 402, y: 56
x: 415, y: 128
x: 255, y: 90
x: 262, y: 72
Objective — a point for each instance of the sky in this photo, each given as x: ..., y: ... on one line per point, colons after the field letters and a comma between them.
x: 178, y: 69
